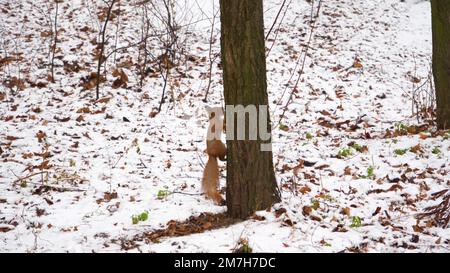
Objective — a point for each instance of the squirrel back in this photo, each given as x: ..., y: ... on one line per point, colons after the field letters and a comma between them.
x: 210, y: 180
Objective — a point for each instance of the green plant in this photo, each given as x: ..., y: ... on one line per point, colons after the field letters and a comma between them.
x: 72, y: 162
x: 135, y: 219
x: 356, y: 146
x: 400, y: 126
x: 284, y: 127
x: 345, y: 152
x: 327, y: 197
x: 315, y: 204
x: 244, y: 247
x: 309, y: 136
x: 400, y: 151
x: 163, y: 194
x: 436, y: 150
x: 370, y: 173
x: 447, y: 136
x: 356, y: 222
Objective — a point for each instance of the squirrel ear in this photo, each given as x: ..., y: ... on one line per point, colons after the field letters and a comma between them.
x: 216, y: 110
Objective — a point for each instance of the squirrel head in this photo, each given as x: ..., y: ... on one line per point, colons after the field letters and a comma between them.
x: 213, y: 112
x: 216, y: 120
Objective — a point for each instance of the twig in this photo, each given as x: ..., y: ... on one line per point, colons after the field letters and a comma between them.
x: 276, y: 32
x: 186, y: 193
x: 211, y: 60
x: 164, y: 88
x: 276, y: 18
x: 101, y: 60
x: 28, y: 176
x: 117, y: 32
x: 142, y: 162
x: 300, y: 72
x: 60, y: 189
x: 55, y: 41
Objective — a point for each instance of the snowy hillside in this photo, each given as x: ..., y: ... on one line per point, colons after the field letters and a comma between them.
x: 355, y: 155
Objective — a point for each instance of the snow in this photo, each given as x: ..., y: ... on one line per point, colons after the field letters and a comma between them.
x: 390, y: 39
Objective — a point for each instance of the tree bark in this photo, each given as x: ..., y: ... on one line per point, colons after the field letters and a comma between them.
x: 251, y: 183
x: 441, y: 60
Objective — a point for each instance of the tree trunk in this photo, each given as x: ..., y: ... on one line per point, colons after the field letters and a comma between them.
x: 440, y: 10
x: 251, y: 183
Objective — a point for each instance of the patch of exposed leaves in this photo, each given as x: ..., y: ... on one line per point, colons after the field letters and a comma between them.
x: 392, y: 188
x: 6, y: 229
x: 194, y: 224
x: 107, y: 196
x: 440, y: 213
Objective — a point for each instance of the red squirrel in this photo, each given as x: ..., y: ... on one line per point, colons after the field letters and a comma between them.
x: 215, y: 149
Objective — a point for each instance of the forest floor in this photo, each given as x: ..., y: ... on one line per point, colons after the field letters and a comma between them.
x: 355, y: 160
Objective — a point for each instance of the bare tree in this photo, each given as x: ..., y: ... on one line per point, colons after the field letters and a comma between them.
x: 101, y: 57
x: 55, y: 40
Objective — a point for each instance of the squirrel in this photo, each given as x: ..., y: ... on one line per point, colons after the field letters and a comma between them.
x: 215, y: 149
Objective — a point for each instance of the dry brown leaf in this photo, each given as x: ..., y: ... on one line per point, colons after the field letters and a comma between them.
x: 40, y: 136
x: 84, y: 110
x: 66, y: 119
x: 305, y: 189
x: 11, y: 138
x: 417, y: 228
x: 306, y: 210
x: 5, y: 229
x: 27, y: 155
x: 80, y: 118
x: 357, y: 64
x: 416, y: 149
x: 44, y: 165
x: 346, y: 211
x: 104, y: 100
x: 378, y: 209
x: 279, y: 212
x: 347, y: 171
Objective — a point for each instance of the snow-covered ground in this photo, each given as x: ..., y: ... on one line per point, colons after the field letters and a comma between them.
x: 349, y: 116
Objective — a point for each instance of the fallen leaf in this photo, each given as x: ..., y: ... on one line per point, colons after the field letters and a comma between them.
x: 103, y: 100
x: 279, y: 212
x: 44, y: 165
x: 80, y: 118
x: 417, y: 228
x: 27, y: 155
x: 84, y: 110
x: 66, y: 119
x: 306, y: 210
x: 40, y: 136
x: 416, y: 149
x: 305, y: 189
x: 346, y: 211
x: 5, y: 229
x: 378, y: 209
x: 347, y: 171
x: 11, y: 138
x: 357, y: 64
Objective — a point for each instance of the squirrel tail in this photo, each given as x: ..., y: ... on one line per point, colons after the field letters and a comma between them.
x: 210, y: 180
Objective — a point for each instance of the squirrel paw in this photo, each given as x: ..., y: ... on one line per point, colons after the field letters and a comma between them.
x: 222, y: 203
